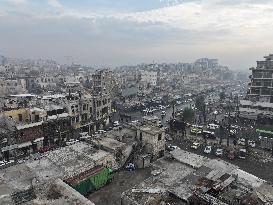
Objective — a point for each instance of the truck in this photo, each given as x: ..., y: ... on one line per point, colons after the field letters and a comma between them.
x: 90, y: 180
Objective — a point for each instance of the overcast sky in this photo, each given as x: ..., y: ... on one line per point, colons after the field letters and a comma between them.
x: 116, y: 32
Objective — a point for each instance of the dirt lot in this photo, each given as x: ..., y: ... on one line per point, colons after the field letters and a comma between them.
x: 123, y: 180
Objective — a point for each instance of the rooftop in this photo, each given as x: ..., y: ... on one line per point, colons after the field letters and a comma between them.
x: 191, y: 177
x: 61, y: 164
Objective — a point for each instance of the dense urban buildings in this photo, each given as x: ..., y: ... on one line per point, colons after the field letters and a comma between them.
x: 161, y: 133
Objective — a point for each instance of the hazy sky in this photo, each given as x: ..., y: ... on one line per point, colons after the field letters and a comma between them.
x: 115, y: 32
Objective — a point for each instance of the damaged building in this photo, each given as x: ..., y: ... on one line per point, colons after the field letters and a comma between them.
x: 187, y: 178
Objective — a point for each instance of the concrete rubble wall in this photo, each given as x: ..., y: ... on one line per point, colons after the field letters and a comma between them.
x: 69, y: 193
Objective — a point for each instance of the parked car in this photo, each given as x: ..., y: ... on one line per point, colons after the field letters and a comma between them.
x: 163, y: 113
x: 109, y: 128
x: 116, y: 123
x: 219, y: 152
x: 213, y: 126
x: 2, y: 164
x: 208, y: 149
x: 71, y: 142
x: 196, y: 131
x: 195, y: 145
x: 242, y: 153
x: 231, y: 155
x: 209, y: 134
x: 130, y: 167
x: 84, y: 136
x: 242, y: 141
x: 251, y: 143
x: 101, y: 131
x: 234, y: 127
x: 135, y: 121
x: 172, y: 147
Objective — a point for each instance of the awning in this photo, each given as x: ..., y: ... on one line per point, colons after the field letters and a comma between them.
x: 26, y: 144
x: 39, y: 139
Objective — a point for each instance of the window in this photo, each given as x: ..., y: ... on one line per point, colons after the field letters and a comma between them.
x: 36, y: 118
x: 159, y: 137
x: 20, y: 116
x: 140, y: 137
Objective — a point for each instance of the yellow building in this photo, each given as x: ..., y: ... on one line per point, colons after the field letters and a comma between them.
x: 19, y: 116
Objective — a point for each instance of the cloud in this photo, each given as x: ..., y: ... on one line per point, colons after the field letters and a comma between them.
x: 177, y: 29
x: 17, y: 2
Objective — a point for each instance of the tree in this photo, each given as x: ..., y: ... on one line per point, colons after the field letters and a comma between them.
x: 188, y: 114
x: 222, y: 95
x: 200, y: 103
x: 201, y: 106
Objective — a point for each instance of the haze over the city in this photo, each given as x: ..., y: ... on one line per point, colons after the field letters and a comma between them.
x: 104, y: 32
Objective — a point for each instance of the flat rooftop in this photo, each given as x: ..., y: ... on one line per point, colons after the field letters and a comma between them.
x: 61, y: 164
x: 192, y: 177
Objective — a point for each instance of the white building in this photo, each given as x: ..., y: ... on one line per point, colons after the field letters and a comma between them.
x: 149, y: 77
x: 12, y: 86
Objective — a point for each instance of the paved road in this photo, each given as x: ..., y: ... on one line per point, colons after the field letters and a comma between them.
x: 251, y: 164
x: 138, y: 115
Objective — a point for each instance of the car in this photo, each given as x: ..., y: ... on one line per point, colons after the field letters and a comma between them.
x: 242, y: 141
x: 2, y: 163
x: 232, y: 131
x: 101, y: 131
x: 213, y: 126
x: 172, y: 147
x: 231, y: 155
x: 242, y: 153
x: 196, y: 131
x: 209, y: 134
x: 71, y: 142
x: 208, y: 149
x: 234, y: 127
x: 135, y: 121
x: 116, y: 123
x: 163, y: 113
x: 251, y: 143
x: 130, y: 167
x: 219, y: 152
x: 195, y: 145
x: 109, y: 128
x: 84, y: 136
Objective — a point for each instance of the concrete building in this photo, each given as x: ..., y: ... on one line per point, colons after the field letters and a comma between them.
x: 149, y: 77
x: 12, y: 86
x: 41, y: 181
x: 153, y: 140
x: 102, y: 109
x: 261, y: 85
x: 259, y: 99
x: 186, y: 178
x: 103, y: 81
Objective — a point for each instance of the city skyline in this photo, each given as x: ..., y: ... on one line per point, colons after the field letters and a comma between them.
x: 132, y: 32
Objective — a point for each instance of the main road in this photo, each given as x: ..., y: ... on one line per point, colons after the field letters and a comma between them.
x: 137, y: 115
